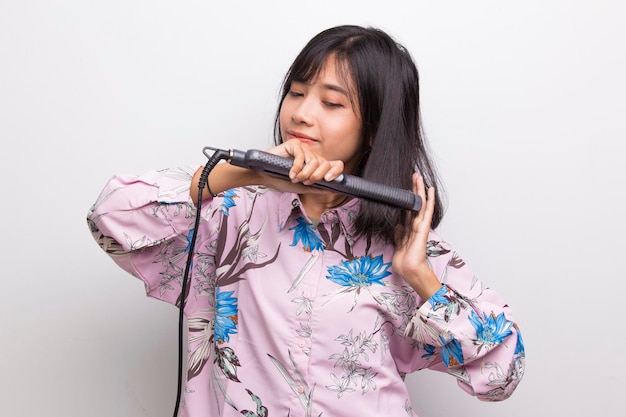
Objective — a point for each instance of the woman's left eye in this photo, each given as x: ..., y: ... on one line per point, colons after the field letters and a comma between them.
x: 332, y: 104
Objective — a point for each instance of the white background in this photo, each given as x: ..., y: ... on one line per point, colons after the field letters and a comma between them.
x: 523, y: 104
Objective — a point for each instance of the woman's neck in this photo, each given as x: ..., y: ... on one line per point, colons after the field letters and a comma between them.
x: 316, y: 204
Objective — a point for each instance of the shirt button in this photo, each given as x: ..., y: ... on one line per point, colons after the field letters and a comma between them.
x: 295, y: 202
x: 300, y: 389
x: 302, y: 343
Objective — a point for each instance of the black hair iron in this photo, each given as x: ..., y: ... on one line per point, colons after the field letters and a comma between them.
x: 346, y: 184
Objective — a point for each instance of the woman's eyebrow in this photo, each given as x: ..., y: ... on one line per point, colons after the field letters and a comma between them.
x: 325, y: 86
x: 335, y: 87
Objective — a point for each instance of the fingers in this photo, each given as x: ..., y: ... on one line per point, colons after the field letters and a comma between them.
x: 320, y: 170
x: 312, y: 170
x: 425, y: 214
x: 308, y: 167
x: 418, y: 223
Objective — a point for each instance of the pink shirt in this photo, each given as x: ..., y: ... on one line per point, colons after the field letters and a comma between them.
x: 285, y: 319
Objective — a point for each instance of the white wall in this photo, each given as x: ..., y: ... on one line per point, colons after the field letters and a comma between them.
x: 523, y: 103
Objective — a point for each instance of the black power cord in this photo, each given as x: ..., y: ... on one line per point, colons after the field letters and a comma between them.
x: 217, y: 156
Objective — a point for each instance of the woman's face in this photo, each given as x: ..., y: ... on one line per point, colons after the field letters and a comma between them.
x: 320, y: 113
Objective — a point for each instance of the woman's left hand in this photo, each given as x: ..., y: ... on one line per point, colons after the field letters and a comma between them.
x: 409, y: 259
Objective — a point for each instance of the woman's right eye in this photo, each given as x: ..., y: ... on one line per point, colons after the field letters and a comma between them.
x: 294, y: 93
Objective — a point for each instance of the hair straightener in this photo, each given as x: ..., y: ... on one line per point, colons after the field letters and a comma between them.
x: 346, y: 184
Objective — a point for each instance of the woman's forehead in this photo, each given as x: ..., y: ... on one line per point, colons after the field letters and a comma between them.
x: 331, y: 68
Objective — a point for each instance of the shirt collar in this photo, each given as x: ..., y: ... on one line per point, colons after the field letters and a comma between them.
x: 290, y: 205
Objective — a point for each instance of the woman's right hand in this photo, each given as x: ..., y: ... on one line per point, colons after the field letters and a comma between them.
x: 308, y: 166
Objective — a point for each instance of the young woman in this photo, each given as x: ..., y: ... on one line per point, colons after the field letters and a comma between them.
x: 303, y: 302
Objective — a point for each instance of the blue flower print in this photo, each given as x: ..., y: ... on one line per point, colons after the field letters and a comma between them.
x: 490, y: 330
x: 360, y: 272
x: 519, y: 347
x: 439, y: 298
x: 229, y: 201
x: 305, y: 233
x: 451, y: 352
x: 189, y: 237
x: 430, y: 351
x: 225, y: 315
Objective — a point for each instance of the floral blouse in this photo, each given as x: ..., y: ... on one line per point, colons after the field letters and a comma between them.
x: 288, y: 319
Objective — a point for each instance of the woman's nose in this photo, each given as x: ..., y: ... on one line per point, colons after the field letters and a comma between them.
x: 303, y: 112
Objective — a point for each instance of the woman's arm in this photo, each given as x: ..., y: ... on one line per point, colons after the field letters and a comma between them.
x: 468, y: 329
x: 308, y: 167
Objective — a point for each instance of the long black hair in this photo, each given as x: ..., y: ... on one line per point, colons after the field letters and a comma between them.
x: 387, y: 88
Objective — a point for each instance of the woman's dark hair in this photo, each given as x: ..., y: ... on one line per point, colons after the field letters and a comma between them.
x: 387, y: 88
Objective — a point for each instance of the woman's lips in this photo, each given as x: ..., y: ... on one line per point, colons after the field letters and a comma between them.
x: 301, y: 137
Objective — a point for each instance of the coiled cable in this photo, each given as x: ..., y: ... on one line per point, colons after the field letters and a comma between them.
x: 217, y: 156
